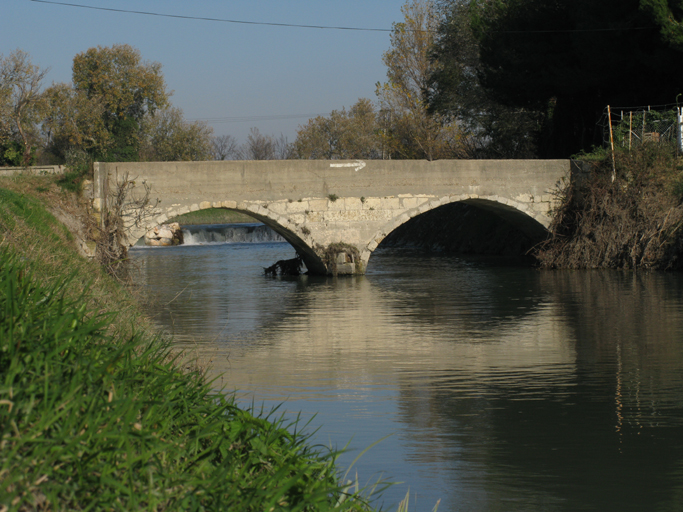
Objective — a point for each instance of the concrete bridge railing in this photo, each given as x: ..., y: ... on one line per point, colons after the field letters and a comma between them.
x: 335, y: 213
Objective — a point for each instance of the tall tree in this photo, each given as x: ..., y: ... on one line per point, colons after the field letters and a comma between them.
x: 21, y: 102
x: 568, y: 59
x: 494, y: 130
x: 128, y: 89
x: 415, y: 132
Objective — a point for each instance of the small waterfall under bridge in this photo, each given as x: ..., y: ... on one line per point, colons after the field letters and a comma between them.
x: 229, y: 233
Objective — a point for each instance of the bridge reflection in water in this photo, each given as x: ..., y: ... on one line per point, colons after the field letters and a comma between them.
x: 506, y: 388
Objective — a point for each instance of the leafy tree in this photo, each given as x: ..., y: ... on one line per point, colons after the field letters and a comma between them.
x: 128, y: 90
x: 11, y: 153
x: 72, y: 121
x: 415, y: 132
x: 401, y: 126
x: 566, y: 60
x: 21, y: 103
x: 167, y: 136
x: 108, y: 113
x: 318, y: 138
x: 668, y: 16
x: 494, y: 130
x: 342, y: 134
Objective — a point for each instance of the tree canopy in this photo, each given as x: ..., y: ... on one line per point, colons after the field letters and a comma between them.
x: 73, y: 121
x: 412, y: 131
x: 667, y: 14
x: 167, y: 136
x: 341, y: 135
x: 127, y: 86
x: 116, y: 109
x: 566, y: 60
x: 128, y: 90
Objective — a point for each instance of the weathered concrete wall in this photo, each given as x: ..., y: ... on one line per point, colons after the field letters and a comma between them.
x: 33, y: 170
x: 316, y: 203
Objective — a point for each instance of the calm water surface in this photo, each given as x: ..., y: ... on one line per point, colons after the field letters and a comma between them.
x: 502, y: 389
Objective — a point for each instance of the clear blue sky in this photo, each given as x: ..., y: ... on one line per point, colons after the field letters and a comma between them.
x: 222, y: 70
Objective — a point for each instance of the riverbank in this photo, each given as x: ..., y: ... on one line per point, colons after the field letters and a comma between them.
x: 212, y: 216
x: 95, y: 412
x: 623, y: 214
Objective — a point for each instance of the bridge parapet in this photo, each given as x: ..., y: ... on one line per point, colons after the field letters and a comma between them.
x: 323, y: 206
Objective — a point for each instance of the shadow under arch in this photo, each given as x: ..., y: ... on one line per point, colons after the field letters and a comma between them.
x: 517, y: 215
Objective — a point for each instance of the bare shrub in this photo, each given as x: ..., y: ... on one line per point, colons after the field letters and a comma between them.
x: 634, y: 221
x: 124, y: 210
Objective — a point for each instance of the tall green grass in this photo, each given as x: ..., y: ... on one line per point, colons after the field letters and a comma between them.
x: 88, y: 421
x: 95, y: 413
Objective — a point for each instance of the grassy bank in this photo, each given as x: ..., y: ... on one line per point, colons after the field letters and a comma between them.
x: 94, y: 412
x: 626, y: 214
x: 212, y: 216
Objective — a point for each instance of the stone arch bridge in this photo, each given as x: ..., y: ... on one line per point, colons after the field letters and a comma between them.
x: 335, y: 212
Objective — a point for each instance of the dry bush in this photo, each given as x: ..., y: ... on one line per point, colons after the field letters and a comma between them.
x: 123, y: 210
x: 632, y: 221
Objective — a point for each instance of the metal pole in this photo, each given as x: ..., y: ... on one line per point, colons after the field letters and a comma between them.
x: 642, y: 137
x: 611, y: 142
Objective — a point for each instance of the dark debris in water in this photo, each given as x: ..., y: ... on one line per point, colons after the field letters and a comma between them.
x: 290, y: 267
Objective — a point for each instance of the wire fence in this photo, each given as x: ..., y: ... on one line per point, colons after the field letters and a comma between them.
x: 632, y: 126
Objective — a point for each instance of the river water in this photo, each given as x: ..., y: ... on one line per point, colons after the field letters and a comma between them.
x: 499, y: 388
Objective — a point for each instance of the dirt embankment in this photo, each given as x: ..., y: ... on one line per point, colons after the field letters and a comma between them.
x: 93, y: 238
x: 69, y: 208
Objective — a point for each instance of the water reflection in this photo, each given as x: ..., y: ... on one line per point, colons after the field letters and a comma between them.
x: 507, y: 389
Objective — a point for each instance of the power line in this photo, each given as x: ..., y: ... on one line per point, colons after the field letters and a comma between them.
x: 220, y: 20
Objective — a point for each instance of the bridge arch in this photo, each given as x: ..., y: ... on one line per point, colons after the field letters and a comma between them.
x: 297, y: 237
x: 520, y: 215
